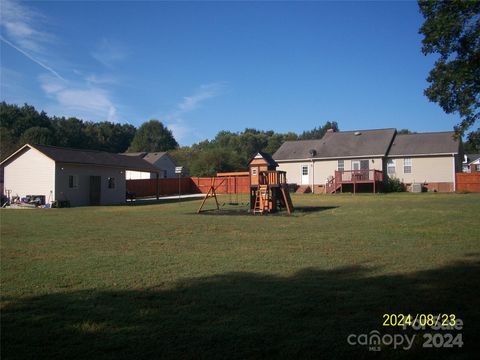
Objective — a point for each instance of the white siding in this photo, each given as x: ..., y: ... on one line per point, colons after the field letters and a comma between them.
x: 426, y: 169
x: 167, y: 165
x: 293, y: 170
x: 138, y: 175
x: 31, y: 173
x: 80, y: 196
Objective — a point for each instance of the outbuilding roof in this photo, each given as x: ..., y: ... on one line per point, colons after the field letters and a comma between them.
x: 425, y: 144
x: 91, y: 157
x: 358, y: 143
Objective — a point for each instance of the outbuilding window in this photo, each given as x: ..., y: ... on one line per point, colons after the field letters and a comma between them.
x: 111, y: 182
x: 73, y: 181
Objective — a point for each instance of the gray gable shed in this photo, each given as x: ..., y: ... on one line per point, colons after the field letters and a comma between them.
x: 164, y: 163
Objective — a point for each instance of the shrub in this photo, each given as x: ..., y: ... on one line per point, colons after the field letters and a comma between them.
x: 394, y: 185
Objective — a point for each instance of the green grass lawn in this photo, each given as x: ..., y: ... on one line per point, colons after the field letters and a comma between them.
x: 160, y: 281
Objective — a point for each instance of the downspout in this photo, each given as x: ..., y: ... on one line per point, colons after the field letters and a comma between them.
x: 454, y: 174
x: 313, y: 177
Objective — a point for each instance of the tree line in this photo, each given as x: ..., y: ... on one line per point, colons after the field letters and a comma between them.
x: 20, y: 125
x: 228, y: 151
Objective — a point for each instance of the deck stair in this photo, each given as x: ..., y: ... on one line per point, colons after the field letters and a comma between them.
x: 331, y: 187
x: 303, y: 189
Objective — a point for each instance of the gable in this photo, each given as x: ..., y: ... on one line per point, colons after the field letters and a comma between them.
x: 262, y: 158
x: 33, y: 154
x: 438, y: 143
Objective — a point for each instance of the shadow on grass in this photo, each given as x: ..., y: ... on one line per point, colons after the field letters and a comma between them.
x: 243, y: 315
x: 140, y: 202
x: 313, y: 209
x: 243, y: 210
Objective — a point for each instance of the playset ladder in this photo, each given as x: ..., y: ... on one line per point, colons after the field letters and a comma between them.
x: 262, y: 200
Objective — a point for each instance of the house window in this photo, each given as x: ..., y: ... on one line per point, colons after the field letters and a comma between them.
x: 391, y: 167
x: 407, y: 165
x: 73, y: 181
x: 304, y: 169
x: 111, y: 183
x: 341, y: 165
x: 254, y: 171
x: 355, y: 165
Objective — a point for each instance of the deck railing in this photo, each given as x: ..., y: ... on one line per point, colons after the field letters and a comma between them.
x: 272, y: 178
x: 358, y: 176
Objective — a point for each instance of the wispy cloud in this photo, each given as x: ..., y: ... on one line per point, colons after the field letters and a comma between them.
x: 203, y: 93
x: 23, y: 29
x: 21, y: 26
x: 35, y: 60
x: 84, y: 101
x: 176, y: 119
x: 101, y: 79
x: 108, y: 52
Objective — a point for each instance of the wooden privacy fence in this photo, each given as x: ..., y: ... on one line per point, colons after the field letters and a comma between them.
x: 468, y: 182
x: 148, y: 187
x: 225, y: 185
x: 188, y: 185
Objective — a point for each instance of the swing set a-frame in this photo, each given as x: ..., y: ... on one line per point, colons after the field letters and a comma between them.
x: 230, y: 179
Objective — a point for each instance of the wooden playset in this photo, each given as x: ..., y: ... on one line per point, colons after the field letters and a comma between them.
x: 268, y: 186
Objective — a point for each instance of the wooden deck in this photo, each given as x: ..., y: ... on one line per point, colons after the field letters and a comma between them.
x: 354, y: 178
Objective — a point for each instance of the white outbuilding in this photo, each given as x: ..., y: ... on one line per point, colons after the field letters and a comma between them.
x: 79, y: 177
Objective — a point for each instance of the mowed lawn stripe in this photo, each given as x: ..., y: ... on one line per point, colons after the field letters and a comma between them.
x: 162, y: 281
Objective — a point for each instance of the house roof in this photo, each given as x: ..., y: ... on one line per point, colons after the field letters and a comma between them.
x: 472, y: 157
x: 425, y: 144
x: 151, y: 157
x: 267, y: 157
x: 338, y: 144
x: 137, y: 154
x: 91, y: 157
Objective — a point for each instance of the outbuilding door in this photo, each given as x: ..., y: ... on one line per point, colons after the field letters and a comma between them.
x: 304, y: 175
x: 95, y: 190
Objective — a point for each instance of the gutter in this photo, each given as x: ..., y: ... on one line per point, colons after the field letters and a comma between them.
x: 109, y: 166
x: 414, y: 155
x: 334, y: 158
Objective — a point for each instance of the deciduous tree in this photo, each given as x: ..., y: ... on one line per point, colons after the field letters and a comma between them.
x: 153, y: 136
x: 452, y: 30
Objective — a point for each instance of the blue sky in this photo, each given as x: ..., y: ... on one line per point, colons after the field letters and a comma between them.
x: 202, y: 67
